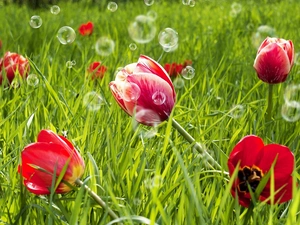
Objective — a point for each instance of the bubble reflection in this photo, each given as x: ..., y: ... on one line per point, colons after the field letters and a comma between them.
x: 66, y: 35
x: 188, y: 73
x: 112, y: 6
x: 159, y: 98
x: 104, y: 46
x: 32, y: 80
x: 142, y: 30
x: 92, y: 101
x: 131, y: 92
x: 168, y: 38
x: 35, y: 22
x: 55, y: 9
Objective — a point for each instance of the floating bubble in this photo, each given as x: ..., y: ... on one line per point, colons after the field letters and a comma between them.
x: 236, y: 7
x: 159, y: 98
x: 35, y: 22
x: 55, y: 9
x: 262, y: 32
x: 15, y: 84
x: 104, y: 46
x: 32, y: 80
x: 92, y: 101
x: 185, y: 2
x: 290, y: 113
x: 142, y: 30
x: 132, y: 47
x: 188, y: 73
x: 112, y: 6
x: 292, y: 95
x: 297, y: 58
x: 131, y: 92
x: 69, y: 64
x: 66, y: 35
x: 192, y: 3
x: 147, y: 115
x: 168, y: 38
x: 73, y: 62
x: 149, y: 2
x: 233, y: 13
x: 137, y: 201
x: 168, y: 49
x: 178, y: 82
x: 152, y: 15
x: 237, y: 111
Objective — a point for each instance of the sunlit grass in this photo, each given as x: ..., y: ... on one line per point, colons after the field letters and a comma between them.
x: 161, y: 177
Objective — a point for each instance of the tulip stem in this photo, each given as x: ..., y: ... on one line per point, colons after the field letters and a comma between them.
x: 212, y: 162
x: 97, y: 199
x: 270, y: 103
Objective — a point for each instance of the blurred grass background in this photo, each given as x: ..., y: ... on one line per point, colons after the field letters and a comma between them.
x: 130, y: 166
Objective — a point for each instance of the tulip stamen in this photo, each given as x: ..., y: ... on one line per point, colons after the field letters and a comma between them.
x: 249, y: 176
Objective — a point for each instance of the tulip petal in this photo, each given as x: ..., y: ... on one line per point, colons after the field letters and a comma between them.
x: 272, y: 64
x: 243, y: 200
x: 49, y: 136
x: 118, y: 96
x: 36, y: 189
x: 247, y: 152
x: 148, y: 65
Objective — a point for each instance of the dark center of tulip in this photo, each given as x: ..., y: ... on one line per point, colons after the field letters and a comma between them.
x: 249, y: 176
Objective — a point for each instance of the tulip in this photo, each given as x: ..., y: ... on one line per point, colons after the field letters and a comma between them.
x: 97, y: 70
x: 144, y: 90
x: 11, y: 65
x: 274, y: 60
x: 254, y: 160
x: 46, y: 159
x: 86, y: 29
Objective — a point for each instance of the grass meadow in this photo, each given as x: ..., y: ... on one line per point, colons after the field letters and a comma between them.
x: 146, y: 175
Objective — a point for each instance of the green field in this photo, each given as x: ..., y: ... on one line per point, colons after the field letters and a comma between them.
x: 147, y: 175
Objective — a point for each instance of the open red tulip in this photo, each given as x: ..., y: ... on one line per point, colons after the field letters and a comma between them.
x: 274, y: 60
x: 86, y: 29
x: 255, y: 160
x: 144, y: 90
x: 97, y: 70
x: 11, y: 65
x: 47, y: 156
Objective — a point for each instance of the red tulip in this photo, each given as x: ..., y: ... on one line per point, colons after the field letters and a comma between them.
x: 11, y: 65
x: 173, y: 69
x: 144, y: 90
x: 86, y: 29
x: 49, y: 155
x: 255, y: 160
x: 274, y: 60
x: 97, y: 70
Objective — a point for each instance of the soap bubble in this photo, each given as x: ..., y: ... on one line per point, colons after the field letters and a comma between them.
x: 66, y: 35
x: 159, y: 98
x: 142, y: 30
x: 236, y: 7
x: 92, y: 101
x: 147, y: 115
x: 69, y: 64
x: 185, y: 2
x: 178, y: 82
x: 55, y: 9
x: 237, y: 111
x: 292, y: 95
x: 32, y: 80
x: 35, y: 22
x: 132, y: 46
x: 149, y: 2
x: 192, y: 3
x: 131, y: 92
x: 104, y: 46
x: 152, y: 15
x: 290, y: 113
x: 188, y: 73
x: 261, y: 33
x: 168, y: 38
x: 15, y: 83
x: 112, y: 6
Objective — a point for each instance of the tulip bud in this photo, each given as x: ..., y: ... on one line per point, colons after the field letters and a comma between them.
x: 274, y: 60
x: 11, y: 65
x: 144, y: 90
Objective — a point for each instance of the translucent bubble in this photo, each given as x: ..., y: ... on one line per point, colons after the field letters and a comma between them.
x: 92, y: 101
x: 152, y: 15
x: 292, y: 95
x: 149, y: 2
x: 233, y: 13
x: 73, y: 62
x: 237, y: 111
x: 185, y: 2
x: 159, y: 98
x: 290, y: 113
x: 132, y: 47
x: 35, y: 22
x: 142, y: 30
x: 192, y: 3
x: 236, y: 7
x: 112, y: 6
x: 297, y: 58
x: 172, y: 49
x: 15, y: 84
x: 104, y: 46
x: 66, y: 35
x: 55, y: 9
x: 168, y: 38
x: 178, y: 82
x: 131, y: 92
x: 69, y: 64
x: 188, y: 73
x: 149, y: 134
x: 261, y: 33
x: 147, y: 115
x: 137, y: 201
x: 32, y: 80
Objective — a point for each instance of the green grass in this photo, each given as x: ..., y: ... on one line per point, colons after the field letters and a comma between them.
x: 160, y: 178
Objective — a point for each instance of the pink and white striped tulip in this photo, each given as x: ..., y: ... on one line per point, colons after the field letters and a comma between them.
x: 144, y: 90
x: 274, y: 60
